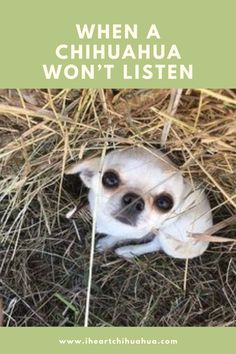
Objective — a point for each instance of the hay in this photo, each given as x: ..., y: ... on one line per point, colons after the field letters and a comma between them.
x: 44, y: 256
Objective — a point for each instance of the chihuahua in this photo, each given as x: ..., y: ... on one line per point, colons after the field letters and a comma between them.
x: 135, y: 193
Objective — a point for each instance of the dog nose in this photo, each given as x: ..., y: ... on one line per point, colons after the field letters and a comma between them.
x: 133, y: 201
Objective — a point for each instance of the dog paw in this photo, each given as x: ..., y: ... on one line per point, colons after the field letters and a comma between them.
x: 124, y: 253
x: 103, y: 244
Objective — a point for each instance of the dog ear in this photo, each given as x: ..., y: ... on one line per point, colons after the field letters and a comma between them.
x: 86, y: 169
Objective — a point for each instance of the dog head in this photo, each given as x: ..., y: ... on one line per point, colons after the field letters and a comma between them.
x: 131, y: 192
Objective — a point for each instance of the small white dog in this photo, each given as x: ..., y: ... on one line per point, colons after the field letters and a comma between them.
x: 136, y: 193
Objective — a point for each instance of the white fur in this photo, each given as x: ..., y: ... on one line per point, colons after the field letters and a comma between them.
x: 147, y: 173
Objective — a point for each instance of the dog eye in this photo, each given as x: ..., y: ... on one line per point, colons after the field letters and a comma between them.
x: 164, y: 202
x: 110, y: 179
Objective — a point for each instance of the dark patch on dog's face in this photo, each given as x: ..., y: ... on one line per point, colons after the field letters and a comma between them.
x: 132, y: 205
x: 127, y: 219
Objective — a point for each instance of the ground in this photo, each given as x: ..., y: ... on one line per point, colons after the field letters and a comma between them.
x: 44, y: 257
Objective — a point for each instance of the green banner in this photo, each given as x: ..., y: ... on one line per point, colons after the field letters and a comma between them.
x: 116, y: 340
x: 126, y: 44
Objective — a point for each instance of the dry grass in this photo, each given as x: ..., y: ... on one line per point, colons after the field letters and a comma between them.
x: 44, y: 257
